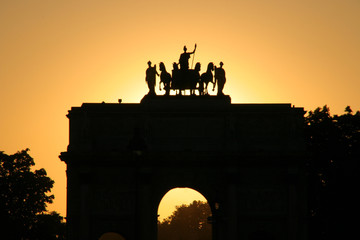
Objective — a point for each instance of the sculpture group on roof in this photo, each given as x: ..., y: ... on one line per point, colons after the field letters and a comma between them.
x: 184, y: 78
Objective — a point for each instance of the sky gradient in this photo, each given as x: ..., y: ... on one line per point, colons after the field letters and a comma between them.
x: 58, y: 54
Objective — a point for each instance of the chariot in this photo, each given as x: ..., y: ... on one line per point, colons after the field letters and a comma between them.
x: 187, y: 79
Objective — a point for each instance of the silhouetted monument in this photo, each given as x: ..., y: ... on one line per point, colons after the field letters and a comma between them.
x: 220, y: 79
x: 246, y: 159
x: 206, y: 78
x: 165, y: 78
x: 184, y: 58
x: 151, y: 78
x: 184, y: 78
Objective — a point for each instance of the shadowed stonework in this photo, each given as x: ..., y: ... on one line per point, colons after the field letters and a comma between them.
x: 246, y: 159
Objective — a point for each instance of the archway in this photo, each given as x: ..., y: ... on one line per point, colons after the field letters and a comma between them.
x: 183, y: 213
x: 249, y: 166
x: 111, y: 236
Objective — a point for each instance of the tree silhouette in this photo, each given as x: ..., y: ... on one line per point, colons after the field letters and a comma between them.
x: 48, y: 226
x: 188, y: 222
x: 333, y: 166
x: 23, y: 197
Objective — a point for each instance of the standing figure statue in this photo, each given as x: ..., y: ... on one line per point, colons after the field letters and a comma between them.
x: 184, y: 58
x: 151, y: 78
x: 220, y: 79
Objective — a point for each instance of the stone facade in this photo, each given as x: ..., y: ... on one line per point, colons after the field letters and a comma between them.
x: 246, y: 159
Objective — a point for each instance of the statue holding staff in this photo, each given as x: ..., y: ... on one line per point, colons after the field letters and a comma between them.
x: 184, y: 58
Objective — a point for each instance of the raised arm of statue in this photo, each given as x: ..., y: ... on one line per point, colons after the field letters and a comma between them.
x: 194, y: 50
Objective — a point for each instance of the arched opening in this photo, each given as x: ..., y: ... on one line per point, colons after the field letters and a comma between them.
x: 183, y: 213
x: 111, y: 236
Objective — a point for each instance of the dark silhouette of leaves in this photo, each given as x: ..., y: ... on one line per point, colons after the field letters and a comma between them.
x: 187, y: 222
x: 333, y: 166
x: 24, y: 195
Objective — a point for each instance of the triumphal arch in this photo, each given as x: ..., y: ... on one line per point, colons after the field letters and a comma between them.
x: 246, y: 159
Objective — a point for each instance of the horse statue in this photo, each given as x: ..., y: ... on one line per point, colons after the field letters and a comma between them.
x: 165, y: 78
x: 196, y: 78
x: 205, y: 78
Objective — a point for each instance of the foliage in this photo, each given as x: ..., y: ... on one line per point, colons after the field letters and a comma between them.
x: 334, y: 147
x: 23, y: 196
x: 187, y: 222
x: 49, y: 226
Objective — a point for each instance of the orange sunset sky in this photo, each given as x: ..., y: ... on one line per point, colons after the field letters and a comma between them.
x: 55, y: 54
